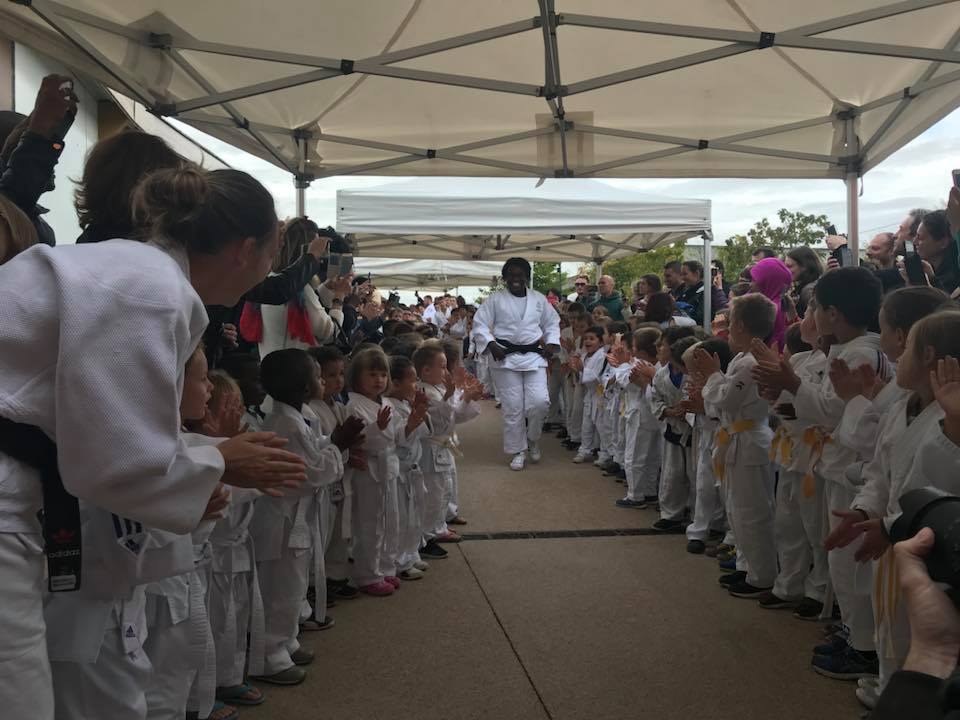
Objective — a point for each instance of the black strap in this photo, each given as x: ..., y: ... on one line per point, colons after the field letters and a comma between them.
x: 60, y: 516
x: 514, y: 348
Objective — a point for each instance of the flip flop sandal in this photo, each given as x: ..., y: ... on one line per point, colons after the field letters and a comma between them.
x: 241, y: 694
x: 223, y: 712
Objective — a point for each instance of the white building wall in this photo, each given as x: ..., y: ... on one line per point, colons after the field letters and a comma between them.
x: 30, y: 69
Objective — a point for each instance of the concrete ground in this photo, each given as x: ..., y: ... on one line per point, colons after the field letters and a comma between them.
x: 592, y: 628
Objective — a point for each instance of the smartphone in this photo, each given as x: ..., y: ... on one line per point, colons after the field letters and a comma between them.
x: 913, y: 265
x: 956, y: 178
x: 63, y: 127
x: 831, y: 229
x: 843, y: 256
x: 340, y: 264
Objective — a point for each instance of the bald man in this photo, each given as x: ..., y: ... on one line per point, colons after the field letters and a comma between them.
x: 881, y: 251
x: 609, y: 298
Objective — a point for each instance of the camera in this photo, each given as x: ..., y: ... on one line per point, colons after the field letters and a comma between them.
x: 339, y: 259
x: 935, y: 509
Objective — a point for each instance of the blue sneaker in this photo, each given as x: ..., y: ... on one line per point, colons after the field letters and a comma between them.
x: 635, y: 504
x: 849, y: 664
x: 730, y: 564
x: 834, y: 645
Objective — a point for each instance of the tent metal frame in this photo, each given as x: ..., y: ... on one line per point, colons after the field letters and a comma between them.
x: 288, y: 147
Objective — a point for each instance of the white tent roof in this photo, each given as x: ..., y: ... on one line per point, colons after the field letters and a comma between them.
x: 426, y: 275
x: 626, y: 88
x: 479, y: 218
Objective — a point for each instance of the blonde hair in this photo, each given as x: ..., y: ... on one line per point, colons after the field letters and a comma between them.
x: 223, y: 385
x: 370, y: 358
x: 940, y: 333
x: 17, y: 232
x: 755, y: 312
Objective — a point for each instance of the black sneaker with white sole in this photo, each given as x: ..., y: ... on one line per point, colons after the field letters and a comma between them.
x: 696, y: 547
x: 433, y: 551
x: 745, y: 590
x: 668, y: 526
x: 808, y: 609
x: 733, y: 578
x: 848, y: 664
x: 769, y: 601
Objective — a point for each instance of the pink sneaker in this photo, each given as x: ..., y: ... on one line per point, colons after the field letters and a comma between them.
x: 393, y: 580
x: 378, y: 589
x: 449, y: 537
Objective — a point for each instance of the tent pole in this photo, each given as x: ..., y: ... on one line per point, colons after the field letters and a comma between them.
x: 853, y: 216
x: 707, y: 280
x: 301, y: 186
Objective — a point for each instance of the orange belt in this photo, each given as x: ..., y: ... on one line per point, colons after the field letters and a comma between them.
x: 816, y: 439
x: 781, y: 447
x: 724, y: 436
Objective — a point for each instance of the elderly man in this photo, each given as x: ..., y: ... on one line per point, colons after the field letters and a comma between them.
x: 609, y: 298
x: 880, y: 250
x: 580, y: 285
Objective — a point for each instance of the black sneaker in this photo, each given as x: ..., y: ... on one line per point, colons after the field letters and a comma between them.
x: 743, y: 589
x: 808, y: 609
x: 634, y: 504
x: 610, y: 469
x: 848, y: 664
x: 341, y: 590
x: 621, y: 474
x: 834, y: 646
x: 562, y: 434
x: 716, y: 536
x: 733, y: 578
x: 433, y: 550
x: 696, y: 547
x: 769, y: 601
x: 668, y: 526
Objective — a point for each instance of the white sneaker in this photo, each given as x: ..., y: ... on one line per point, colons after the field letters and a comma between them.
x: 412, y: 574
x: 534, y: 451
x: 517, y: 462
x: 422, y: 565
x: 598, y: 462
x: 578, y: 458
x: 868, y: 696
x: 872, y: 681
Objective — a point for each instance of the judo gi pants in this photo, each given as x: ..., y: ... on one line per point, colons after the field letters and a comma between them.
x: 852, y: 581
x: 751, y: 515
x: 410, y: 494
x: 436, y: 483
x: 798, y: 528
x: 230, y: 616
x: 369, y: 517
x: 169, y: 646
x: 641, y: 459
x: 555, y: 383
x: 27, y: 687
x: 575, y: 412
x: 390, y: 546
x: 337, y: 558
x: 523, y: 397
x: 677, y: 481
x: 708, y: 511
x: 283, y: 585
x: 453, y: 496
x: 589, y: 435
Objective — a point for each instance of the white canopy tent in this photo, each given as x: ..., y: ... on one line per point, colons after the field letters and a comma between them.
x: 426, y: 275
x: 478, y: 219
x: 552, y: 88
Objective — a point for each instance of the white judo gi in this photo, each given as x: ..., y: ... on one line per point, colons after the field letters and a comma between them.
x: 800, y: 510
x: 285, y: 531
x: 53, y: 375
x: 643, y: 438
x: 742, y: 462
x: 819, y: 405
x: 337, y: 540
x: 678, y: 474
x: 521, y: 377
x: 374, y: 491
x: 411, y: 490
x: 708, y: 510
x: 592, y: 388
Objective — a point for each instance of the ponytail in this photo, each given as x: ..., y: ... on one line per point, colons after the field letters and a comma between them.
x: 204, y: 211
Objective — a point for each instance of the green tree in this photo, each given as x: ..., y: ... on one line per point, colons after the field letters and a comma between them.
x: 627, y: 270
x: 795, y: 229
x: 548, y: 275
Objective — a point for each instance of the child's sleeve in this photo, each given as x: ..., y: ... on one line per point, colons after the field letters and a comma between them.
x: 874, y: 495
x: 464, y: 411
x: 735, y: 390
x: 937, y: 464
x: 658, y: 403
x: 324, y: 464
x: 818, y: 404
x: 859, y: 426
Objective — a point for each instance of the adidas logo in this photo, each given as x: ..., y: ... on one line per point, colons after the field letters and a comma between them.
x: 130, y: 632
x: 63, y: 536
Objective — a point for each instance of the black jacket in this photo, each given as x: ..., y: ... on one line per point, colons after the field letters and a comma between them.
x: 694, y: 298
x: 27, y: 176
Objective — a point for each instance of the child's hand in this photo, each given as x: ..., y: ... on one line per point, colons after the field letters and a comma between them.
x: 217, y: 503
x: 763, y: 352
x: 460, y: 377
x: 777, y: 377
x: 613, y: 360
x: 846, y: 531
x: 847, y: 383
x: 348, y: 434
x: 473, y: 390
x: 945, y: 381
x: 786, y: 410
x: 420, y: 407
x: 875, y: 542
x: 694, y: 401
x: 704, y: 363
x: 674, y: 411
x: 357, y: 460
x: 383, y: 417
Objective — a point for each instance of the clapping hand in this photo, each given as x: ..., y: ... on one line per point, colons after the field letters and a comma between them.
x: 875, y: 541
x: 256, y: 460
x: 705, y: 364
x: 642, y: 374
x: 449, y: 385
x: 763, y: 352
x: 846, y: 531
x: 383, y: 417
x: 348, y: 434
x: 945, y: 381
x: 773, y: 372
x: 847, y: 383
x: 218, y: 503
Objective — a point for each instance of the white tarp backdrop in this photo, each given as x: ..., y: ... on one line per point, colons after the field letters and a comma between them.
x: 476, y: 219
x: 426, y: 275
x: 624, y: 88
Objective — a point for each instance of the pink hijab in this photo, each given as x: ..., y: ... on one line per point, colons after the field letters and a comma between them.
x: 772, y: 278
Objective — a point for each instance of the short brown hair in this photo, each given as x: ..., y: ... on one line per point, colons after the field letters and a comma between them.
x: 645, y: 340
x: 756, y: 313
x: 426, y: 355
x: 370, y: 358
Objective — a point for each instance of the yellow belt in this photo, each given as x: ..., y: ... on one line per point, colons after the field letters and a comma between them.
x: 816, y: 439
x: 781, y: 447
x: 886, y: 595
x: 724, y: 436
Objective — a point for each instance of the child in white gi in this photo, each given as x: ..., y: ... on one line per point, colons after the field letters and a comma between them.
x: 591, y: 365
x: 375, y: 486
x: 742, y: 454
x: 573, y: 388
x: 677, y: 477
x: 411, y: 406
x: 643, y: 435
x: 286, y: 529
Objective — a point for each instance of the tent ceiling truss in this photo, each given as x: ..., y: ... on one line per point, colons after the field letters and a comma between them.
x: 61, y: 18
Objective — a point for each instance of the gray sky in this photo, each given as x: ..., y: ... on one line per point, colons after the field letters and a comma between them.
x: 918, y: 175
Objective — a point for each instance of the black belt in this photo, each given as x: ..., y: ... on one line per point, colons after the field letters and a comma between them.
x: 514, y: 348
x: 60, y: 516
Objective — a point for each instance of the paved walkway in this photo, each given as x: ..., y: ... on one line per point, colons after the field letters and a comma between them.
x: 562, y: 628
